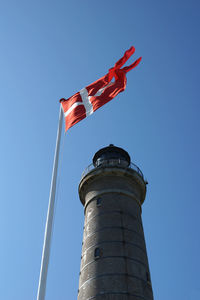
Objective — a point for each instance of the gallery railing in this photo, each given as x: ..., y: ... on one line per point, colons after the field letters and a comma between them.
x: 112, y: 163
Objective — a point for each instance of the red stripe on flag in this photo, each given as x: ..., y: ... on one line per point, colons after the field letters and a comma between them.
x: 76, y: 115
x: 94, y: 87
x: 110, y: 91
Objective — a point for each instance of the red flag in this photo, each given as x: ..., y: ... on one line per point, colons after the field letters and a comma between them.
x: 95, y: 95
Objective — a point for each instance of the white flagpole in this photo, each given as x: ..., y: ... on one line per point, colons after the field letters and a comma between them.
x: 49, y: 220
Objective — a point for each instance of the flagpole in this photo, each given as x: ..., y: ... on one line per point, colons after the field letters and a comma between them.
x: 50, y: 215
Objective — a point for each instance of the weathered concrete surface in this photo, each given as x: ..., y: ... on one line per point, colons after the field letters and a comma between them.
x: 114, y: 264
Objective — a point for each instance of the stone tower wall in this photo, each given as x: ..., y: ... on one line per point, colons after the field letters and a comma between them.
x: 114, y: 263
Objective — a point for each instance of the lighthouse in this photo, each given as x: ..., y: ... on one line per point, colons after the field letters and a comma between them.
x: 114, y: 263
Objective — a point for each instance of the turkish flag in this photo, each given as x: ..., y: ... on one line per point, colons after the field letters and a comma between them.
x: 95, y: 95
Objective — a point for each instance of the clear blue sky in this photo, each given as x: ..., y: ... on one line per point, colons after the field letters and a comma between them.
x: 52, y: 49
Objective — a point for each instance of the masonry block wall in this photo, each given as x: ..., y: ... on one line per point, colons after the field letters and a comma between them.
x: 114, y: 263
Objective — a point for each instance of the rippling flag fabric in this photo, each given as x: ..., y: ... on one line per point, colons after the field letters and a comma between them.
x: 98, y: 93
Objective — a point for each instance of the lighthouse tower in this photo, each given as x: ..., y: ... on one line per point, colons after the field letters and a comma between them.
x: 114, y: 263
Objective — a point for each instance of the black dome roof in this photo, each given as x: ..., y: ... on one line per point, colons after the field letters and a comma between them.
x: 111, y: 152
